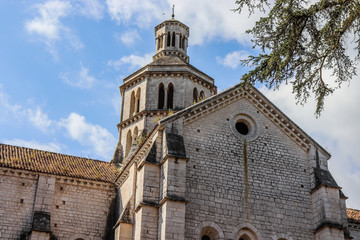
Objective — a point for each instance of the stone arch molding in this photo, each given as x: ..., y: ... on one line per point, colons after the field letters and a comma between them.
x: 208, y: 224
x: 249, y: 120
x: 246, y: 228
x: 282, y: 236
x: 81, y: 236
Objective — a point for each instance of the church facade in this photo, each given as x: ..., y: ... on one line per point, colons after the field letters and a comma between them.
x: 190, y: 163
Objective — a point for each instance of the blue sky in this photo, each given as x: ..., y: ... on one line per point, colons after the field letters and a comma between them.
x: 61, y: 64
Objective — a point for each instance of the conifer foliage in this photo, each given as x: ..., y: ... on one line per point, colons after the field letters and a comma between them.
x: 299, y: 40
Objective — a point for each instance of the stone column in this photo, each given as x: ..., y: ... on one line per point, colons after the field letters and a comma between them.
x: 43, y: 202
x: 165, y: 97
x: 172, y: 204
x: 147, y: 197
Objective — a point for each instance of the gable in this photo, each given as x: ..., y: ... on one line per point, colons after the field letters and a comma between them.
x: 260, y: 102
x: 267, y: 172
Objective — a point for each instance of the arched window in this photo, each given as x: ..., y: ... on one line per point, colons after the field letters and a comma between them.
x: 161, y: 96
x: 195, y: 95
x: 180, y: 40
x: 245, y: 233
x: 245, y: 237
x: 128, y: 143
x: 168, y: 39
x: 158, y: 43
x: 205, y: 237
x: 170, y: 96
x: 202, y: 96
x: 132, y: 104
x: 161, y: 41
x: 183, y: 43
x: 173, y: 39
x: 137, y: 107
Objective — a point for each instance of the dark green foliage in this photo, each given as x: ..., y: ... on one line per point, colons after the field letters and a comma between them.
x: 301, y: 40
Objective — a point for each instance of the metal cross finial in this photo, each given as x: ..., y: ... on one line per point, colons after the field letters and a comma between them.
x: 173, y: 10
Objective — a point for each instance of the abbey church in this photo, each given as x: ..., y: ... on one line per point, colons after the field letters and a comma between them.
x: 190, y: 164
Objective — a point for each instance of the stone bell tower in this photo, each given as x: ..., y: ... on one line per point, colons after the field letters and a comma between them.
x: 172, y: 39
x: 166, y: 85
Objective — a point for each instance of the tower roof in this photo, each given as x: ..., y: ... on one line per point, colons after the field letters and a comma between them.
x: 171, y: 39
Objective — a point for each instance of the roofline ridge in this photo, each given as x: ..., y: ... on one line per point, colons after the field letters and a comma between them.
x: 261, y: 95
x: 45, y: 151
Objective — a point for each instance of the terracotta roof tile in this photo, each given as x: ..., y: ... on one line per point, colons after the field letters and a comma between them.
x: 56, y: 163
x: 353, y: 215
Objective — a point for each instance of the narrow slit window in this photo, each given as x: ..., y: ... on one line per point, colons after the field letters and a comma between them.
x: 161, y: 96
x: 170, y: 96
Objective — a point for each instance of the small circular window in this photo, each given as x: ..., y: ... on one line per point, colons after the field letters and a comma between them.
x: 244, y: 126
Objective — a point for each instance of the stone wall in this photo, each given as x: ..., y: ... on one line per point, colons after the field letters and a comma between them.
x: 76, y: 207
x: 127, y: 98
x: 17, y: 195
x: 183, y: 90
x: 264, y: 182
x: 354, y: 231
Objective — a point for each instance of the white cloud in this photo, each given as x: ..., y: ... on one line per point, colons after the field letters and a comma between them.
x: 34, y: 115
x: 337, y: 130
x: 6, y: 107
x: 129, y: 37
x: 98, y: 139
x: 232, y: 59
x: 214, y: 21
x: 140, y: 12
x: 39, y: 119
x: 48, y: 23
x: 80, y: 79
x: 91, y: 9
x: 51, y: 147
x: 133, y: 60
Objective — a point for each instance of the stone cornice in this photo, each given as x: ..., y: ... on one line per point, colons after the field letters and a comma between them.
x: 137, y: 117
x: 255, y: 97
x: 172, y: 22
x: 59, y: 179
x: 167, y: 52
x: 328, y: 224
x: 147, y: 74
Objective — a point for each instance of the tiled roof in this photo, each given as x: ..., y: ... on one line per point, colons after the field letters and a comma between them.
x: 353, y: 215
x: 56, y: 163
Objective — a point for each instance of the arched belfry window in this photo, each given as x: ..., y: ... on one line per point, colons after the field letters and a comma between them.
x: 136, y: 131
x: 168, y: 39
x: 158, y: 43
x: 161, y: 96
x: 137, y: 107
x: 173, y: 39
x: 180, y: 40
x: 195, y: 95
x: 170, y: 96
x: 202, y: 96
x: 132, y: 104
x: 183, y: 43
x: 128, y: 142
